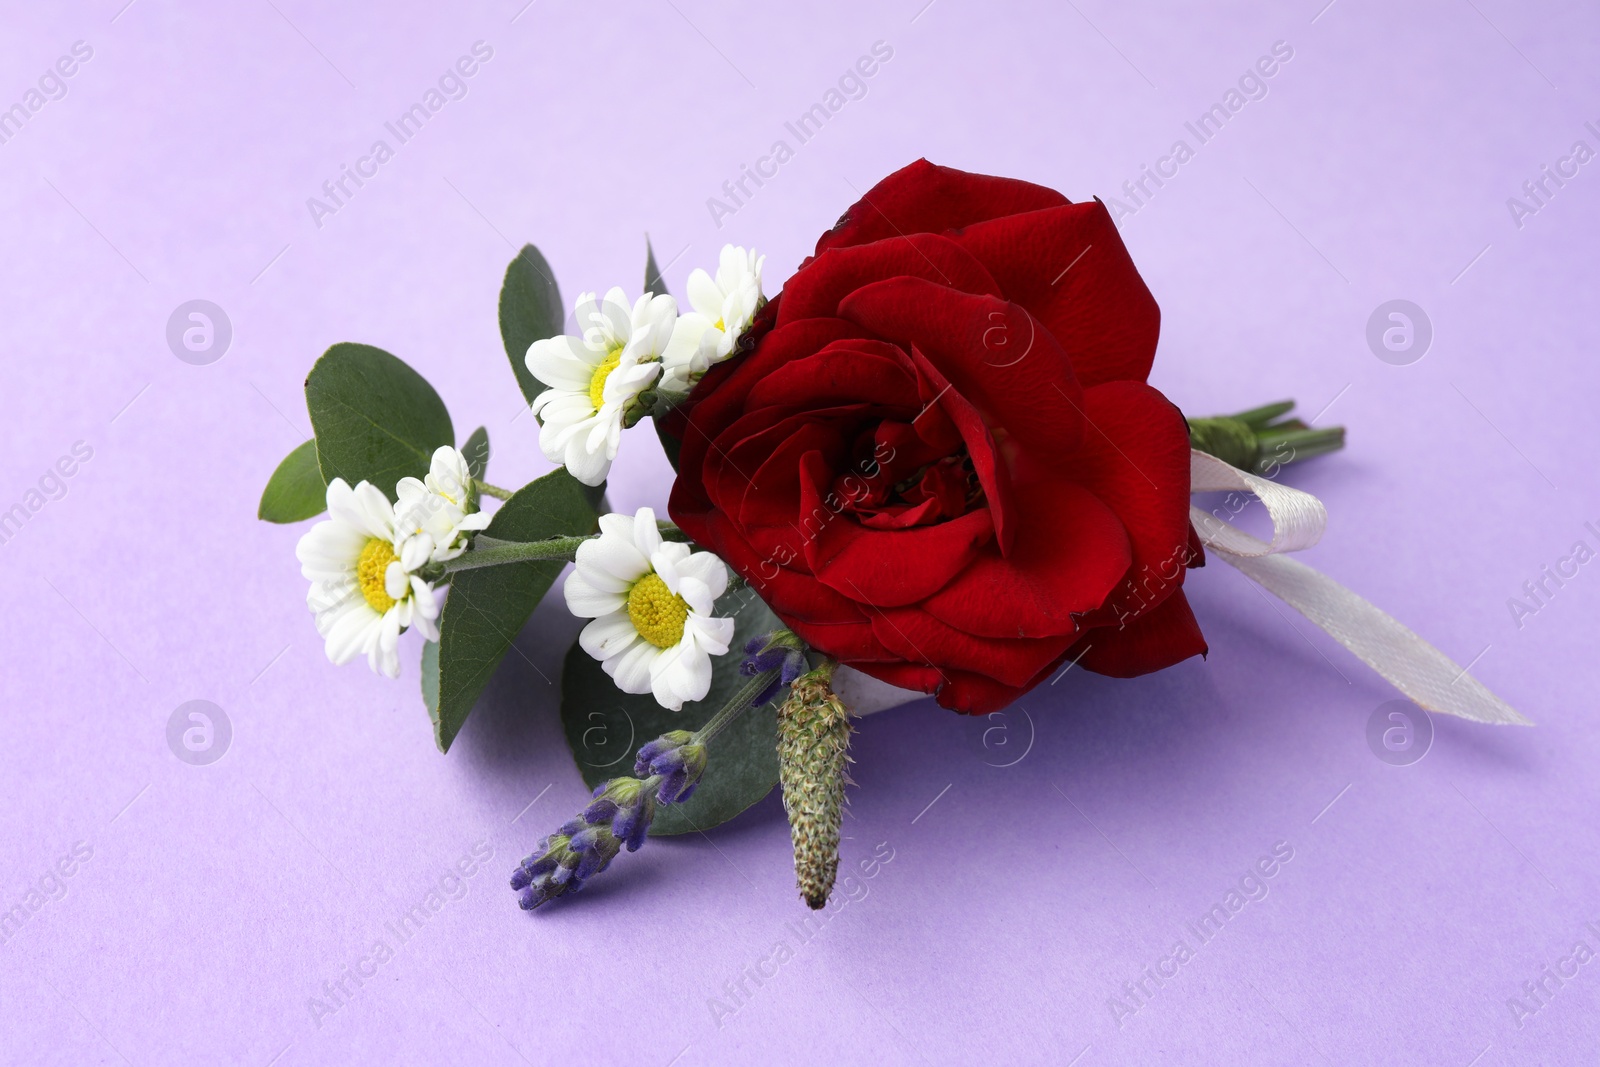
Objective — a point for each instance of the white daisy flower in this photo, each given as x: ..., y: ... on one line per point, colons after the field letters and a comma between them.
x: 595, y: 378
x: 437, y: 506
x: 364, y: 591
x: 724, y: 307
x: 651, y: 602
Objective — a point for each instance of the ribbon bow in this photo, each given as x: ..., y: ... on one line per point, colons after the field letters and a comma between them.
x: 1430, y: 678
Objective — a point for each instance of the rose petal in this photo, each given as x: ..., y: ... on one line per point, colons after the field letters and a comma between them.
x: 992, y: 352
x: 927, y: 198
x: 883, y: 568
x: 852, y: 371
x: 833, y: 275
x: 720, y: 397
x: 852, y: 641
x: 976, y: 694
x: 1135, y: 460
x: 992, y: 473
x: 1068, y: 266
x: 1161, y: 637
x: 921, y: 638
x: 1069, y: 554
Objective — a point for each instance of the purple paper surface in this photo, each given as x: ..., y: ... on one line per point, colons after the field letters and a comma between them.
x: 1042, y: 875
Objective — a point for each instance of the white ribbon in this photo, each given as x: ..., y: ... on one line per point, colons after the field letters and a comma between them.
x: 1430, y: 678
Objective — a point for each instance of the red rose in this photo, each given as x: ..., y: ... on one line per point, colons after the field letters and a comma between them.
x: 940, y: 462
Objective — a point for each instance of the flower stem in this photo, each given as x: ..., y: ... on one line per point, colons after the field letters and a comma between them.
x: 1253, y: 441
x: 741, y: 702
x: 492, y: 551
x: 562, y: 548
x: 491, y: 490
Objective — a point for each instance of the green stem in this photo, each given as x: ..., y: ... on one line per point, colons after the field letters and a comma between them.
x: 491, y: 490
x: 1261, y: 416
x: 492, y: 551
x: 741, y: 702
x: 1254, y: 441
x: 562, y: 548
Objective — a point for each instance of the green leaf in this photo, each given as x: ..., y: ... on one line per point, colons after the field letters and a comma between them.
x: 476, y: 450
x: 430, y: 680
x: 375, y: 418
x: 530, y: 310
x: 486, y: 608
x: 653, y: 282
x: 296, y: 490
x: 669, y: 444
x: 605, y: 727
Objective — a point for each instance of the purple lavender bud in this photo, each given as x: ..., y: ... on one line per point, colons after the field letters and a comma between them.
x: 632, y: 824
x: 601, y: 811
x: 618, y: 816
x: 672, y: 788
x: 682, y: 770
x: 595, y: 847
x: 780, y: 651
x: 661, y: 748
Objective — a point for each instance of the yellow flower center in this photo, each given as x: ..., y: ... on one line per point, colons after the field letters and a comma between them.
x: 656, y: 612
x: 597, y: 383
x: 371, y: 567
x: 720, y: 326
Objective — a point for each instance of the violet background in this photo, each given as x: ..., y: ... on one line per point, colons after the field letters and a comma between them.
x: 219, y: 899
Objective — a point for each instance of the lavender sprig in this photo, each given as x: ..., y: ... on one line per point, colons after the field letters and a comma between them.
x: 677, y: 761
x: 780, y: 650
x: 619, y: 816
x: 666, y: 771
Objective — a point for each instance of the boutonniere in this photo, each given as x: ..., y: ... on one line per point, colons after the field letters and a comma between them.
x: 931, y: 465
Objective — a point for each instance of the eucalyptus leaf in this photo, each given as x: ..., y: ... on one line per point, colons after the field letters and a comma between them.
x: 530, y: 310
x: 476, y: 451
x: 486, y: 608
x: 430, y: 679
x: 296, y: 490
x: 375, y: 418
x: 605, y: 727
x: 653, y: 282
x: 669, y: 444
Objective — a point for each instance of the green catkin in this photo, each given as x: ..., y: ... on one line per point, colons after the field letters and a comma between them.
x: 813, y: 758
